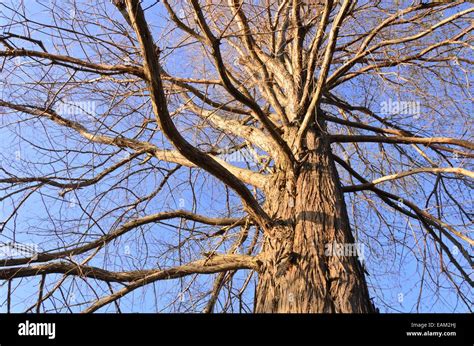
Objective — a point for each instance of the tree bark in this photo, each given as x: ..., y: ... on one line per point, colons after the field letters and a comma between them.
x: 298, y: 275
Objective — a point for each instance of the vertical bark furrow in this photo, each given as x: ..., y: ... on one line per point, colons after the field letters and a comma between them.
x: 311, y: 281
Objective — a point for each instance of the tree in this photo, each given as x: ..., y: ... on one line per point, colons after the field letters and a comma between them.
x: 287, y: 146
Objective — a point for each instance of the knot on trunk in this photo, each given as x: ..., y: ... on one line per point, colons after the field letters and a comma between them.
x: 286, y: 262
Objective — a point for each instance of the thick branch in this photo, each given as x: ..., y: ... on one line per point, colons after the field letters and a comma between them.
x: 214, y: 264
x: 102, y: 241
x: 400, y: 139
x: 98, y: 68
x: 320, y: 84
x: 160, y: 108
x: 245, y: 175
x: 366, y: 186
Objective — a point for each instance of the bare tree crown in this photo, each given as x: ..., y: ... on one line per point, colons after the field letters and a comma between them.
x: 142, y: 142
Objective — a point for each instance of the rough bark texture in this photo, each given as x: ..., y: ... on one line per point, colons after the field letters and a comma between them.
x: 298, y: 276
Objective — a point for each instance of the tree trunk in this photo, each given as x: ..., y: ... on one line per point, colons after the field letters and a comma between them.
x: 298, y: 273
